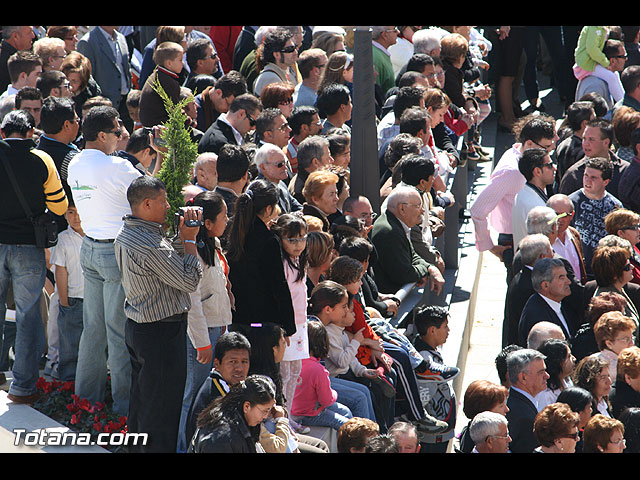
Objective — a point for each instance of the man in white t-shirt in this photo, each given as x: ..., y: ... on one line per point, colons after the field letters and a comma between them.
x: 99, y: 183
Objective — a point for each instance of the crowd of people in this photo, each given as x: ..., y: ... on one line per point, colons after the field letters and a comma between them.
x: 269, y: 309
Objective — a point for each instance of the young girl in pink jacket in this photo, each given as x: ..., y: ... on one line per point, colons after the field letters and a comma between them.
x: 314, y: 403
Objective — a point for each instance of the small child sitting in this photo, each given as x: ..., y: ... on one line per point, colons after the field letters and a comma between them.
x: 432, y: 324
x: 315, y: 402
x: 591, y: 60
x: 70, y: 287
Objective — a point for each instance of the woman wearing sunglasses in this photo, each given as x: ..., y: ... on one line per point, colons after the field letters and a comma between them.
x: 626, y: 224
x: 613, y: 271
x: 556, y: 429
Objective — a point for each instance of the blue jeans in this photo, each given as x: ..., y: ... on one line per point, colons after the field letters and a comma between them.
x: 355, y: 397
x: 197, y: 373
x: 23, y: 266
x: 334, y: 416
x: 103, y: 341
x: 69, y: 333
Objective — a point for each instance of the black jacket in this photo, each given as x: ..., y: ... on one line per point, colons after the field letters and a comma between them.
x: 622, y: 396
x: 538, y: 310
x: 230, y: 435
x: 519, y: 291
x: 218, y: 134
x: 521, y: 415
x: 258, y: 281
x: 212, y: 388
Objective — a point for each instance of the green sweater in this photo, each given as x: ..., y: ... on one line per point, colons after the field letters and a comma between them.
x: 382, y: 63
x: 589, y: 50
x: 397, y: 263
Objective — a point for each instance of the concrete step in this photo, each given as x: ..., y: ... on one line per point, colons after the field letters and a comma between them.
x: 16, y: 418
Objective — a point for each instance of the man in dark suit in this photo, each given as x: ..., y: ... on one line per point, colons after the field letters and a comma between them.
x: 527, y: 372
x: 398, y: 263
x: 549, y: 280
x: 233, y: 126
x: 531, y: 249
x: 108, y: 53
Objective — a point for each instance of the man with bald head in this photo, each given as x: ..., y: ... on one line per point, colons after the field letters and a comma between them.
x: 206, y: 171
x: 543, y: 331
x: 398, y: 263
x: 568, y: 243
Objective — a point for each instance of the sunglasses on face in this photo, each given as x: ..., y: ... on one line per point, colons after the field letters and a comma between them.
x: 117, y: 133
x: 289, y: 49
x: 252, y: 121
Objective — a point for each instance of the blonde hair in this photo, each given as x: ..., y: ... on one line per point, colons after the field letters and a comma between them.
x: 316, y: 183
x: 167, y: 51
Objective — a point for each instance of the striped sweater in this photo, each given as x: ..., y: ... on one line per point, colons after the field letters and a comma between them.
x: 156, y: 280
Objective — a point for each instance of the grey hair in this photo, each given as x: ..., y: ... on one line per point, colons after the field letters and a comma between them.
x: 9, y: 30
x: 518, y: 362
x: 399, y: 195
x: 262, y: 32
x: 204, y: 158
x: 541, y: 220
x: 310, y: 148
x: 264, y: 153
x: 406, y: 428
x: 377, y: 31
x: 486, y: 424
x: 543, y: 271
x: 426, y: 40
x: 532, y: 247
x: 615, y: 241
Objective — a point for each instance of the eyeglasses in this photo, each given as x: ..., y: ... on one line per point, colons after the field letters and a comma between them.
x: 286, y: 101
x: 628, y: 340
x: 277, y: 165
x: 117, y: 133
x: 548, y: 164
x: 632, y: 227
x: 620, y: 56
x: 394, y: 29
x: 213, y: 56
x: 296, y: 241
x: 284, y: 127
x: 548, y: 148
x: 416, y: 205
x: 573, y: 436
x: 252, y: 121
x: 618, y: 442
x: 627, y: 267
x: 497, y: 436
x: 289, y: 49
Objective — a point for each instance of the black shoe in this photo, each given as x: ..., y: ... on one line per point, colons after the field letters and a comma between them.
x: 438, y: 373
x: 429, y: 424
x: 388, y: 390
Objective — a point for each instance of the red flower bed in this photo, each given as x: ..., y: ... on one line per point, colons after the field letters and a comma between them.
x: 59, y: 402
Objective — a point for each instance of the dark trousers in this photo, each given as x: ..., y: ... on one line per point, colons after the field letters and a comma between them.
x: 383, y: 407
x: 507, y: 255
x: 69, y: 333
x: 158, y: 375
x: 552, y: 36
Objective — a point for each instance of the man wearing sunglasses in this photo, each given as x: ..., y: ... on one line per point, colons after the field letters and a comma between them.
x: 99, y: 182
x: 280, y: 53
x: 272, y: 165
x: 539, y: 171
x: 232, y: 127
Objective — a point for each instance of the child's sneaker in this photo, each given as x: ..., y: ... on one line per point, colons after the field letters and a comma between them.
x: 438, y: 373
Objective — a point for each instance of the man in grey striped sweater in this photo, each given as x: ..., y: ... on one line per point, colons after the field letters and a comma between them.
x: 157, y: 282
